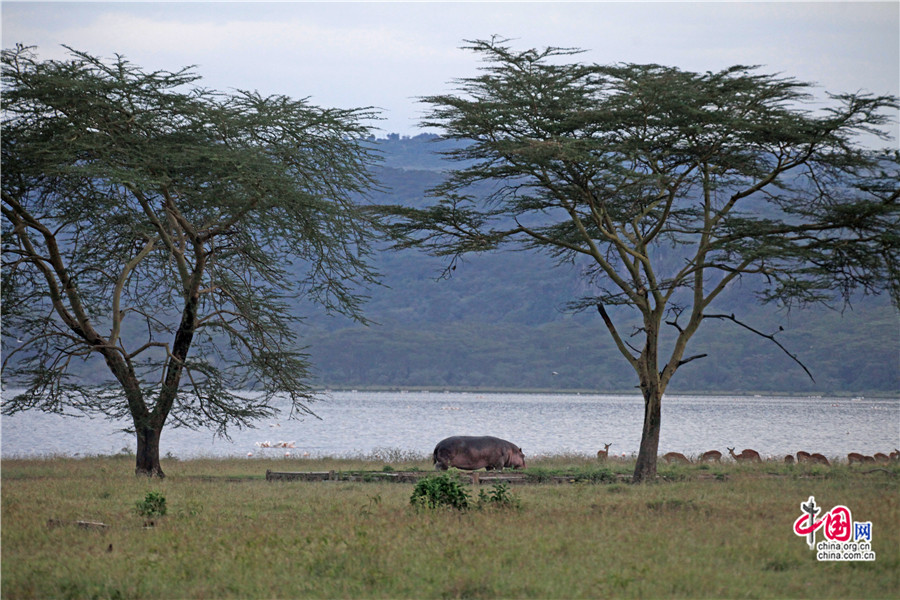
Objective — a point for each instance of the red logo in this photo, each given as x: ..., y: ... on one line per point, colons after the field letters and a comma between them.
x: 837, y: 524
x: 844, y: 539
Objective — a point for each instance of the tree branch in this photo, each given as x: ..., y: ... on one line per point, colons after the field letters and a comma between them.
x: 770, y: 337
x: 615, y: 335
x: 117, y: 314
x: 687, y: 360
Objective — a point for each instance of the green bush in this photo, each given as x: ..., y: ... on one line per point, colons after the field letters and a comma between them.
x: 440, y: 490
x: 444, y: 490
x: 153, y: 505
x: 498, y: 497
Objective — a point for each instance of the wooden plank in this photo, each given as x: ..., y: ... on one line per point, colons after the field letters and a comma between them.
x: 476, y: 477
x: 299, y: 475
x: 494, y: 479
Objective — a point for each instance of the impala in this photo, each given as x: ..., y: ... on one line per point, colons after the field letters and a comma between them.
x: 746, y: 455
x: 678, y: 457
x: 819, y: 459
x: 603, y: 454
x: 855, y: 457
x: 711, y: 456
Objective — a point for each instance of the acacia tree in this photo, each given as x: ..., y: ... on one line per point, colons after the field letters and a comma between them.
x: 166, y: 228
x: 665, y: 187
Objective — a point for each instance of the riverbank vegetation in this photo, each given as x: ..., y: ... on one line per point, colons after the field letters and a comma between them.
x: 716, y: 530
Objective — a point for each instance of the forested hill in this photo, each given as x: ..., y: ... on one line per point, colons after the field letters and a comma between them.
x: 499, y: 323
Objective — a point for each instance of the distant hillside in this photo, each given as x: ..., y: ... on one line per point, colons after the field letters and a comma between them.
x: 419, y: 153
x: 498, y: 323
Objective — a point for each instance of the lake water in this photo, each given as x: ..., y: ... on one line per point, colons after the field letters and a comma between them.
x: 376, y: 423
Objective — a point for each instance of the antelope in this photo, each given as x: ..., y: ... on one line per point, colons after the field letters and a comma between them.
x: 819, y: 459
x: 855, y: 457
x: 711, y: 456
x: 895, y: 455
x: 678, y: 457
x: 789, y: 459
x: 803, y: 457
x: 603, y: 454
x: 746, y: 455
x: 882, y: 458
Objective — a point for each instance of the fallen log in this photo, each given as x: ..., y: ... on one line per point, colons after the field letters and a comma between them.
x: 301, y: 476
x: 83, y: 524
x: 476, y: 477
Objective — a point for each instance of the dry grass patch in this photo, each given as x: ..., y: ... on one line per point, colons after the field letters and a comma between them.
x: 228, y: 533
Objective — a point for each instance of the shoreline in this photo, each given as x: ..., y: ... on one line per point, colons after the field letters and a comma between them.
x: 874, y: 395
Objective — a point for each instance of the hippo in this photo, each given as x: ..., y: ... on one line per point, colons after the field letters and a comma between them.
x: 474, y: 452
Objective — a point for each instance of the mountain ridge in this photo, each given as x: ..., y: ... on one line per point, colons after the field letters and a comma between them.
x: 498, y: 323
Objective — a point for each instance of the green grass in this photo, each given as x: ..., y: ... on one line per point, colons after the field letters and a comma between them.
x: 719, y: 531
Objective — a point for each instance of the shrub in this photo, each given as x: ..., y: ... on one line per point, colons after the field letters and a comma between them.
x: 498, y: 497
x: 440, y: 490
x: 444, y: 490
x: 153, y: 505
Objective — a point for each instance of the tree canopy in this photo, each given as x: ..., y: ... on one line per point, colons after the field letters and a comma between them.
x: 666, y: 187
x: 157, y: 224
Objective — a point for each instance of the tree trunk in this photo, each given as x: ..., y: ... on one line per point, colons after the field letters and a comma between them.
x: 652, y: 389
x: 149, y: 426
x: 146, y: 430
x: 645, y: 468
x: 147, y: 460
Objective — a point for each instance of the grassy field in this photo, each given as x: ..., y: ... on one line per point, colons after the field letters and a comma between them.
x: 703, y: 531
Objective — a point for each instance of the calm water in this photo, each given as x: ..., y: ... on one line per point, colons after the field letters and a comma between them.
x: 357, y: 423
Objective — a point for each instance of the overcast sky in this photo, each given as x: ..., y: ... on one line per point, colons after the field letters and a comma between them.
x: 383, y: 54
